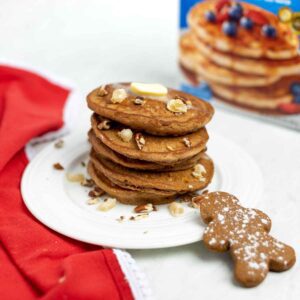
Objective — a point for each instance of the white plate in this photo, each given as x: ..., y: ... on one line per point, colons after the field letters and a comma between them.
x: 61, y: 205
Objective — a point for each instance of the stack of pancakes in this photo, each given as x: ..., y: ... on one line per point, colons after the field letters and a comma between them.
x: 142, y: 151
x: 248, y: 69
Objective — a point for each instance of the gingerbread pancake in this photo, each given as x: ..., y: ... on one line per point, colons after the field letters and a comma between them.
x: 127, y: 196
x: 248, y: 43
x: 177, y: 181
x: 124, y: 161
x: 192, y: 59
x: 154, y: 115
x: 260, y: 66
x: 164, y: 150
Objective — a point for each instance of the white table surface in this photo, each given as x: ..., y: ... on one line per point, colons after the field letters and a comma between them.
x: 91, y: 42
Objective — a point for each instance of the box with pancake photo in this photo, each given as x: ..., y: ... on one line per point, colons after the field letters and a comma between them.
x: 243, y: 56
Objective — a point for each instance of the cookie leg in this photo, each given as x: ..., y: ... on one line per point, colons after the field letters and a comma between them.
x: 249, y: 273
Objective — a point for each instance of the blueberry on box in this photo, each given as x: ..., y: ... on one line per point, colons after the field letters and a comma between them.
x: 295, y: 88
x: 235, y: 12
x: 269, y: 31
x: 297, y: 99
x: 210, y: 16
x: 246, y: 23
x: 239, y: 7
x: 229, y: 28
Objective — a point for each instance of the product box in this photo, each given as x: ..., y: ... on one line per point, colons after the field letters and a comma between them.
x: 243, y: 56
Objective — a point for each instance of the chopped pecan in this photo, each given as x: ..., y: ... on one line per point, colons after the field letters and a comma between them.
x: 102, y: 91
x: 139, y: 100
x: 188, y: 197
x: 140, y: 140
x: 144, y: 208
x: 96, y: 192
x: 59, y: 144
x: 88, y: 183
x: 187, y: 142
x: 58, y: 166
x: 138, y: 217
x: 104, y: 124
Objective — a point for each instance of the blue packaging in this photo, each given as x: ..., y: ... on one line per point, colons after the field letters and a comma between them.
x: 243, y: 56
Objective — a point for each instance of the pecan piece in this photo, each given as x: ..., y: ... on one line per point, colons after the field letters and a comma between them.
x: 140, y: 140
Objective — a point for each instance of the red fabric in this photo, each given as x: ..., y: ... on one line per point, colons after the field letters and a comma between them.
x: 36, y: 262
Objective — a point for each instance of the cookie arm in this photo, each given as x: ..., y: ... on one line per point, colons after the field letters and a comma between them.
x: 264, y: 220
x: 282, y: 256
x: 215, y: 238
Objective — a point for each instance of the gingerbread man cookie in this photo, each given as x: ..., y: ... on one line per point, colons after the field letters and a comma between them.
x: 245, y: 232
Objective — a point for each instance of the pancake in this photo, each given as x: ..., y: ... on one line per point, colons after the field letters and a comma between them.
x: 177, y: 181
x: 124, y: 161
x: 123, y: 195
x: 193, y: 60
x: 153, y: 116
x: 156, y: 149
x: 241, y: 64
x: 248, y: 43
x: 268, y: 97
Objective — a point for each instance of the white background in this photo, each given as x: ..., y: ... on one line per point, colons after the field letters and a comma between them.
x: 93, y: 42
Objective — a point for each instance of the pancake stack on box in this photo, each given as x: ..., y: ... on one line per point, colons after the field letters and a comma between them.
x: 245, y: 53
x: 148, y: 142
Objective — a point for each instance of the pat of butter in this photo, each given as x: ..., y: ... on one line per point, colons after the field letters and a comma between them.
x: 151, y: 89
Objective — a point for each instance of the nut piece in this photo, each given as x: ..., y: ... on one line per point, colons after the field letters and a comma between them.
x: 170, y: 148
x: 104, y: 125
x: 75, y: 177
x: 92, y: 201
x: 176, y: 106
x: 121, y: 219
x: 195, y: 203
x: 198, y: 172
x: 188, y: 197
x: 102, y: 91
x: 58, y: 166
x: 59, y: 144
x: 125, y: 135
x: 87, y: 182
x: 139, y: 100
x: 189, y: 104
x: 107, y: 204
x: 187, y: 142
x: 140, y: 140
x: 118, y: 96
x: 175, y: 209
x: 96, y: 192
x: 138, y: 217
x: 144, y: 208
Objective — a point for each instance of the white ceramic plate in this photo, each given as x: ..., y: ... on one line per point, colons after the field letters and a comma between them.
x: 62, y: 205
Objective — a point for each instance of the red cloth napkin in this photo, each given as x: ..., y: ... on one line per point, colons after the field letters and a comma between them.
x: 36, y: 262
